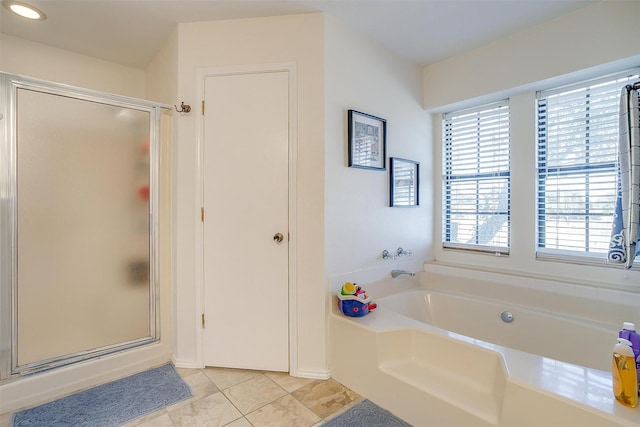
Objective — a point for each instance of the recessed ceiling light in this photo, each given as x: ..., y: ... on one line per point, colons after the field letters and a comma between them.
x: 25, y: 10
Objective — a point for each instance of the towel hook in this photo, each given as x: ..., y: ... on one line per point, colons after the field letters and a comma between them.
x: 184, y: 108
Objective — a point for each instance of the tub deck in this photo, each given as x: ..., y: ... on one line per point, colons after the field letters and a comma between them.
x: 430, y: 376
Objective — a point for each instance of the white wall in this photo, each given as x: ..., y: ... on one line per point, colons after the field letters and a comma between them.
x: 602, y: 33
x: 161, y: 75
x: 359, y: 224
x: 30, y: 59
x: 271, y: 40
x: 592, y: 41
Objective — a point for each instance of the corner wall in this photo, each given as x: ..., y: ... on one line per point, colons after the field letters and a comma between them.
x: 161, y: 75
x: 281, y: 39
x: 359, y: 224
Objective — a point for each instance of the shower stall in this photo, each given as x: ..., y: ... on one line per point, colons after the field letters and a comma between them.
x: 78, y: 224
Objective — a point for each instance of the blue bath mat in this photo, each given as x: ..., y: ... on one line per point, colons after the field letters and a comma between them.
x: 110, y: 404
x: 366, y: 414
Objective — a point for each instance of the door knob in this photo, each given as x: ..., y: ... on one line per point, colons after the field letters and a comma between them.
x: 278, y: 237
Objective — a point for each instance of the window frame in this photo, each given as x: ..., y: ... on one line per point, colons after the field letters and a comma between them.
x: 448, y: 177
x: 586, y: 170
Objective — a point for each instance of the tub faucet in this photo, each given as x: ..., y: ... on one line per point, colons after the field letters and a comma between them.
x: 396, y: 273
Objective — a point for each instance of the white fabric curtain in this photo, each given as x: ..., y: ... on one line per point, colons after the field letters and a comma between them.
x: 624, y: 235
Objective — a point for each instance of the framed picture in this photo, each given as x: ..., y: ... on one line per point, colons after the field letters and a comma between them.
x: 367, y: 141
x: 404, y: 183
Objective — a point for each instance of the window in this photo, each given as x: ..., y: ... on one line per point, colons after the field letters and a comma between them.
x: 577, y: 170
x: 476, y: 179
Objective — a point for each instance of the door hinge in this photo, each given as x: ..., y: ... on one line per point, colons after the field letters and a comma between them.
x: 203, y: 107
x: 202, y: 214
x: 202, y: 320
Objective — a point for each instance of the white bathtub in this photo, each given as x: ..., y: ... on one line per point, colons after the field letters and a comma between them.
x: 553, y: 335
x: 439, y: 358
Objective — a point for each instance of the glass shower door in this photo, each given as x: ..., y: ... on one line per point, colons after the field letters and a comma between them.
x: 83, y: 196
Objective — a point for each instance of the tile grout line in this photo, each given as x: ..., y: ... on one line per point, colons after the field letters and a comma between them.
x: 243, y: 414
x: 290, y: 394
x: 220, y: 390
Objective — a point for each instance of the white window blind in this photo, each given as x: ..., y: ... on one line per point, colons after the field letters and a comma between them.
x: 476, y: 179
x: 577, y: 167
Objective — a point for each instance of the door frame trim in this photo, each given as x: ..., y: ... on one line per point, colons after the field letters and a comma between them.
x: 201, y: 75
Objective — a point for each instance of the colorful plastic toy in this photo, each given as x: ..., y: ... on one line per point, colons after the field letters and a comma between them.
x: 353, y: 301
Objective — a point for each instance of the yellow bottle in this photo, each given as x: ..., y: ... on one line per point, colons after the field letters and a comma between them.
x: 625, y: 380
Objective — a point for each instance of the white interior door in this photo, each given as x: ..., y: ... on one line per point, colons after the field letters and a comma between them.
x: 245, y: 269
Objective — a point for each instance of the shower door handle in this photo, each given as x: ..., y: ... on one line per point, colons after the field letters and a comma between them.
x: 278, y: 238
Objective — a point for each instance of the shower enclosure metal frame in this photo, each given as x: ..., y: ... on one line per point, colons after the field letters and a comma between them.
x: 9, y: 86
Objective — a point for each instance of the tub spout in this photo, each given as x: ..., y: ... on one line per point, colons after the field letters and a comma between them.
x: 396, y: 273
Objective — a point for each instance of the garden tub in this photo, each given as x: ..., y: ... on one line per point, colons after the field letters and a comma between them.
x: 443, y: 358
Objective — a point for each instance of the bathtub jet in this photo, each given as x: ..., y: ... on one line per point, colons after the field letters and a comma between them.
x: 396, y: 273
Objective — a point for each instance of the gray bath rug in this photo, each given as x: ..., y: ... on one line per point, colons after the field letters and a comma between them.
x: 110, y: 404
x: 366, y: 414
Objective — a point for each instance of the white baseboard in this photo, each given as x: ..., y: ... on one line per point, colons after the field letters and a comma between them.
x: 316, y: 375
x: 182, y: 363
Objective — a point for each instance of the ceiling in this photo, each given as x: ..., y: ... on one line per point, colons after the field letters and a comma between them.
x: 130, y: 32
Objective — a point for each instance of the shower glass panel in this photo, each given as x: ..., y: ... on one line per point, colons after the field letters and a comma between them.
x: 83, y: 232
x: 82, y: 238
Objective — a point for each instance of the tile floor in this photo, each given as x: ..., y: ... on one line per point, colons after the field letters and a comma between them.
x: 244, y: 398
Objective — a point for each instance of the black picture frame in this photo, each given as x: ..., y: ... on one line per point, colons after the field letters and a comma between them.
x: 367, y: 141
x: 404, y: 183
